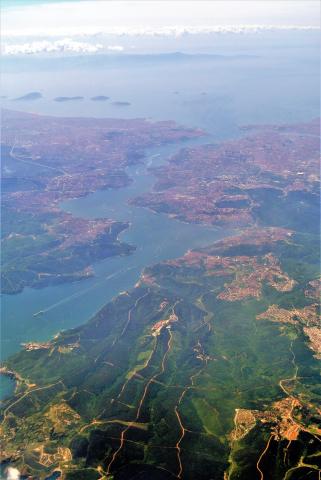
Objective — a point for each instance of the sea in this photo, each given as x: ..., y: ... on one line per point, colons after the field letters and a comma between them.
x: 263, y: 82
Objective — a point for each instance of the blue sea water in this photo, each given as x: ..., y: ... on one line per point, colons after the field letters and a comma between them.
x: 276, y: 84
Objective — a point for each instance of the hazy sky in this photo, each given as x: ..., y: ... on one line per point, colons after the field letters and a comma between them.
x: 86, y: 16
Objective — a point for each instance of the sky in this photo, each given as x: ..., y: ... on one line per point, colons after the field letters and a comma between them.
x: 82, y: 15
x: 78, y: 25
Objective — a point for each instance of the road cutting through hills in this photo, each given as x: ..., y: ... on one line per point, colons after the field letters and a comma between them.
x: 141, y: 402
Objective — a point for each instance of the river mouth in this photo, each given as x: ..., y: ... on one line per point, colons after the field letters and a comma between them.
x: 157, y: 237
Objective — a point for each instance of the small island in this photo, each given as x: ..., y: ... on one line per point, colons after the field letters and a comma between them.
x: 99, y: 98
x: 121, y: 104
x: 29, y: 96
x: 68, y: 99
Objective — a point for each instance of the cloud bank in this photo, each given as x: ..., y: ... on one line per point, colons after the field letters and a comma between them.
x: 86, y: 42
x: 153, y: 18
x: 66, y: 45
x: 175, y: 31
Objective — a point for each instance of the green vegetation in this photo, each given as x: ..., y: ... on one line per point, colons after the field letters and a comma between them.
x: 41, y: 245
x: 125, y: 394
x: 207, y: 369
x: 33, y: 257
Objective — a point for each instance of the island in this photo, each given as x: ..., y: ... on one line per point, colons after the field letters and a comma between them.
x: 99, y: 98
x: 29, y: 96
x: 121, y: 104
x: 68, y: 99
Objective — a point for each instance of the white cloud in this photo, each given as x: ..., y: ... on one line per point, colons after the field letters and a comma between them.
x: 67, y: 27
x: 86, y: 42
x: 115, y: 48
x: 88, y: 17
x: 178, y: 30
x: 59, y: 46
x: 173, y: 30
